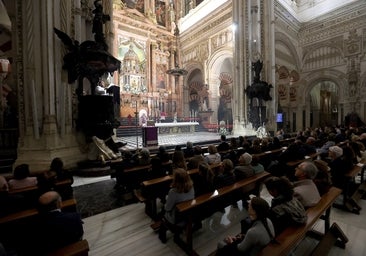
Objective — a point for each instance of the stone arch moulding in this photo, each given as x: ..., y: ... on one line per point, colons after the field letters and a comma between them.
x: 286, y: 41
x: 190, y: 67
x: 215, y: 61
x: 335, y: 76
x: 326, y: 47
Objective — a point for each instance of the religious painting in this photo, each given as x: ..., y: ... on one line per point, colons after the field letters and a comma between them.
x: 130, y: 3
x: 160, y: 12
x: 135, y: 4
x: 161, y: 76
x: 132, y: 54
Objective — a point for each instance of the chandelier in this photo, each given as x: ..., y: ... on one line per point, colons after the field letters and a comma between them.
x: 176, y: 71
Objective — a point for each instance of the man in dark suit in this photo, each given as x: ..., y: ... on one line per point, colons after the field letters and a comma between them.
x: 56, y: 228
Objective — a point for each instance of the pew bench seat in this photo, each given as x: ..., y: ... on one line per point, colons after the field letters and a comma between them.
x: 69, y: 204
x: 79, y: 248
x: 293, y: 235
x: 202, y: 206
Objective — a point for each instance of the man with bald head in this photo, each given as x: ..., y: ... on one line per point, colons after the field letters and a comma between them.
x: 57, y: 228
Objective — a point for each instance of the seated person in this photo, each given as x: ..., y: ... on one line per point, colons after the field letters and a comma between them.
x: 22, y: 178
x: 256, y: 165
x: 203, y: 182
x: 244, y: 169
x: 189, y: 150
x: 293, y: 152
x: 161, y: 166
x: 10, y: 202
x: 338, y: 166
x: 226, y: 177
x: 259, y: 233
x: 120, y: 167
x: 223, y: 146
x: 285, y: 210
x: 178, y: 160
x: 213, y: 156
x: 322, y: 179
x: 196, y: 159
x: 56, y: 173
x: 56, y: 228
x: 309, y: 146
x: 305, y: 189
x: 233, y: 143
x: 142, y: 157
x: 323, y: 150
x: 182, y: 190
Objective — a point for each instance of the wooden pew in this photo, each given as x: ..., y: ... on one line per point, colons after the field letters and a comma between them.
x: 350, y: 200
x: 69, y: 204
x: 136, y: 168
x: 306, y: 158
x: 61, y: 183
x: 152, y: 189
x: 79, y: 248
x: 200, y: 207
x: 291, y: 236
x: 331, y: 238
x: 32, y: 193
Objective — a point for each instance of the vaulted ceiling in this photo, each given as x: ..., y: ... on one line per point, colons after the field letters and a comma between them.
x: 307, y: 10
x: 303, y: 10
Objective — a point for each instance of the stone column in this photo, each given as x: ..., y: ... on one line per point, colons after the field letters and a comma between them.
x: 45, y: 98
x: 269, y: 49
x: 239, y: 104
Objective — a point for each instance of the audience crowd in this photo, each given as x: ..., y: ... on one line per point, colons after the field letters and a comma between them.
x: 293, y: 188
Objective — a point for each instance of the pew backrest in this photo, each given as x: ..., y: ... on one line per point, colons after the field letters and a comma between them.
x: 287, y: 240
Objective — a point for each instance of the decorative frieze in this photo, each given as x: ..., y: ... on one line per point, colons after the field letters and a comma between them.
x: 210, y: 28
x: 333, y: 26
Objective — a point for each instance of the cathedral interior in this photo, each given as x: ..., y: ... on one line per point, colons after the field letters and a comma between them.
x: 176, y: 60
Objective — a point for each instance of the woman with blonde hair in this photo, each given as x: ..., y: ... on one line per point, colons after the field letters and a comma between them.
x: 182, y: 190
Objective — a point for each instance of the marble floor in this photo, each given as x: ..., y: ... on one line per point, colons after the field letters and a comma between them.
x: 172, y: 139
x: 126, y: 231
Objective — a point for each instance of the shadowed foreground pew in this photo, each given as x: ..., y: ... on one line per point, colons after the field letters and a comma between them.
x: 69, y: 204
x: 156, y: 188
x: 205, y: 205
x: 293, y: 235
x: 79, y: 248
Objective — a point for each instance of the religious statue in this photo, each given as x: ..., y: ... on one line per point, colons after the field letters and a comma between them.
x: 257, y: 68
x: 89, y: 59
x: 258, y: 92
x: 99, y: 19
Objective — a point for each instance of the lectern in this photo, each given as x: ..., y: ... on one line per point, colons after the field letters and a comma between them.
x: 149, y: 136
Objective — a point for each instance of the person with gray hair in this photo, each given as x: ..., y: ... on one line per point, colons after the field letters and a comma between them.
x: 305, y: 189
